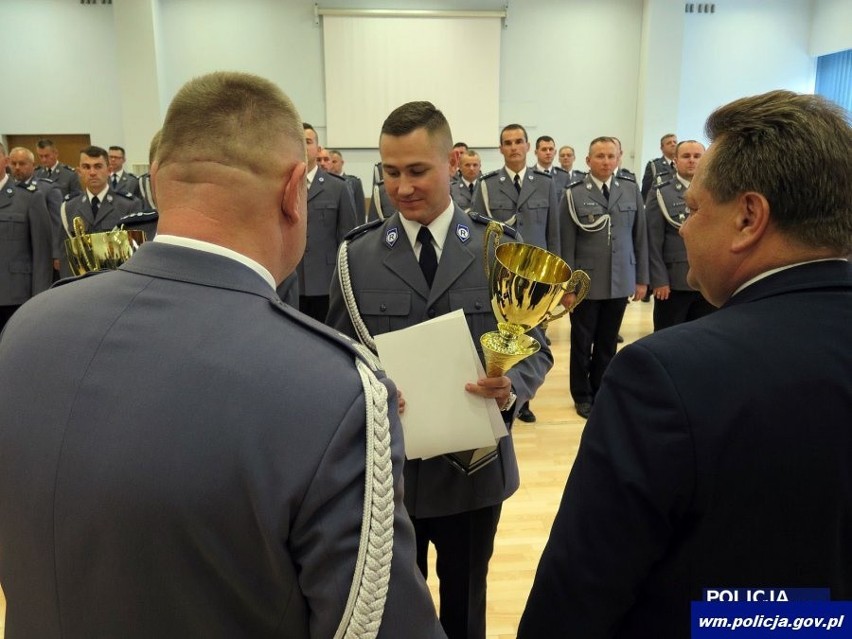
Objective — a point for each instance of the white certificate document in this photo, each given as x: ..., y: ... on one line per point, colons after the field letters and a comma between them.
x: 430, y: 363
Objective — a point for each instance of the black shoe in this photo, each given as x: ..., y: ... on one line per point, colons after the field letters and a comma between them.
x: 619, y: 339
x: 584, y: 409
x: 526, y: 415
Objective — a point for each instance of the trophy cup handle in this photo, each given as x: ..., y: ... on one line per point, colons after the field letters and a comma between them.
x: 492, y: 235
x: 580, y: 281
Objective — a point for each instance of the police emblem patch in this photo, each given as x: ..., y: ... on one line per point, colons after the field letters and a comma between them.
x: 392, y: 236
x: 463, y: 232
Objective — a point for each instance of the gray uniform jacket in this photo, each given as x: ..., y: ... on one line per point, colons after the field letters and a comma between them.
x: 357, y: 190
x: 616, y: 255
x: 331, y: 215
x: 656, y: 171
x: 64, y: 177
x: 461, y: 194
x: 666, y: 250
x: 186, y: 461
x: 53, y: 196
x: 128, y: 184
x: 391, y: 294
x: 533, y: 211
x: 26, y: 243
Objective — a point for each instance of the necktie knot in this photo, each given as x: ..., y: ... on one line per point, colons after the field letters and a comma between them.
x: 428, y: 257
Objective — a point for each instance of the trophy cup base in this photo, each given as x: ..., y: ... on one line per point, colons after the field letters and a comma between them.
x: 503, y: 349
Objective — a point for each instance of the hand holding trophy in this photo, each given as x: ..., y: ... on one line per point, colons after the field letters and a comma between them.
x: 527, y: 284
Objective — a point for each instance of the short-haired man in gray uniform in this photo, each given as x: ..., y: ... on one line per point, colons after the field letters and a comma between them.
x: 181, y: 453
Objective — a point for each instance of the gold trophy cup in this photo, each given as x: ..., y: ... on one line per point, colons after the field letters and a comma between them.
x: 527, y: 284
x: 89, y: 252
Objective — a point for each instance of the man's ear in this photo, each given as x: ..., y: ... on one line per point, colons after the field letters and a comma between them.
x: 455, y: 159
x: 295, y: 194
x: 752, y: 220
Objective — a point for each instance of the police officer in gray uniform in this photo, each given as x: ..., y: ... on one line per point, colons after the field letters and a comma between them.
x: 99, y: 207
x: 675, y: 301
x: 660, y: 169
x: 121, y: 181
x: 331, y: 215
x: 545, y: 151
x: 387, y: 290
x: 464, y: 186
x: 352, y: 181
x: 521, y: 197
x: 603, y: 233
x: 26, y: 265
x: 51, y: 168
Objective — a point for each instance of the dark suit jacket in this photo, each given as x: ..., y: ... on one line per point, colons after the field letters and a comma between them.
x: 392, y: 294
x: 331, y: 215
x: 26, y: 243
x: 616, y: 261
x: 717, y: 455
x: 182, y: 455
x: 534, y: 210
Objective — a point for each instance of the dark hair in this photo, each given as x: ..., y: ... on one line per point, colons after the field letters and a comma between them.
x: 309, y: 127
x: 95, y: 152
x: 46, y: 143
x: 666, y: 137
x: 543, y: 138
x: 118, y: 148
x: 603, y: 138
x: 419, y: 115
x: 682, y: 142
x: 509, y: 127
x: 794, y: 150
x: 459, y: 145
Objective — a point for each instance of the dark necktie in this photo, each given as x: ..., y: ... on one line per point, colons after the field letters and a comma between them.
x: 470, y: 188
x: 518, y: 183
x: 428, y: 257
x: 114, y: 181
x: 547, y: 171
x: 605, y: 191
x: 49, y: 172
x: 96, y: 203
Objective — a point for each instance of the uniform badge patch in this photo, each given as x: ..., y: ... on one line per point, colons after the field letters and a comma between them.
x: 502, y: 178
x: 392, y: 236
x: 463, y: 232
x: 588, y: 186
x: 9, y: 191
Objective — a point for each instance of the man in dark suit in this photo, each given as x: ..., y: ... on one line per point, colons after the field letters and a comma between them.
x: 121, y: 181
x: 522, y: 197
x: 675, y: 301
x: 463, y: 188
x: 331, y: 215
x: 354, y: 183
x: 718, y: 452
x: 661, y: 168
x: 182, y: 454
x: 458, y: 513
x: 603, y: 233
x: 26, y: 262
x: 51, y: 168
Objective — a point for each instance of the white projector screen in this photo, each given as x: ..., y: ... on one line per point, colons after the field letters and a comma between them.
x: 375, y: 64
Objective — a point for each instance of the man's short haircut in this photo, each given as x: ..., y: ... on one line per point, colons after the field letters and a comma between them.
x: 567, y: 147
x: 682, y: 142
x: 794, y: 150
x: 411, y: 116
x: 335, y: 152
x: 460, y: 145
x: 45, y: 143
x: 309, y: 127
x: 95, y: 152
x: 470, y: 153
x: 230, y: 118
x: 510, y: 127
x: 152, y: 148
x: 666, y: 137
x: 118, y: 148
x: 603, y: 139
x: 543, y: 138
x: 30, y: 155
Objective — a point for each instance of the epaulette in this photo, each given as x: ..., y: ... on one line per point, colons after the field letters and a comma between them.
x: 626, y: 176
x: 490, y: 174
x: 484, y: 219
x: 140, y: 217
x: 29, y: 187
x: 70, y: 197
x: 44, y: 179
x: 575, y: 182
x: 558, y: 169
x: 542, y: 173
x: 65, y: 166
x: 360, y: 230
x: 128, y: 195
x: 339, y: 177
x: 661, y: 183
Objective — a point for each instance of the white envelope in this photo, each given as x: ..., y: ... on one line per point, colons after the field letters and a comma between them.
x: 430, y: 363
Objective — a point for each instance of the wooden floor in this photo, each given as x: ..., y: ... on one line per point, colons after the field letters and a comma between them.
x: 545, y: 452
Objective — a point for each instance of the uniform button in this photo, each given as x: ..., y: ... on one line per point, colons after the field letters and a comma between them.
x: 477, y: 305
x: 383, y: 307
x: 431, y: 312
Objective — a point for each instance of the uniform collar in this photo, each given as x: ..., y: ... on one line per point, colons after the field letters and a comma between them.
x: 439, y: 227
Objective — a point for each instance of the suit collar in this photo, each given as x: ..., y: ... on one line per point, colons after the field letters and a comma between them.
x: 181, y: 264
x: 317, y: 183
x: 808, y: 275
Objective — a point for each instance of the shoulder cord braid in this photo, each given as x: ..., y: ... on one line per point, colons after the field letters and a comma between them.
x: 484, y: 190
x: 602, y: 222
x: 349, y: 297
x: 147, y: 191
x: 362, y: 616
x: 377, y: 201
x: 665, y: 211
x: 64, y: 218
